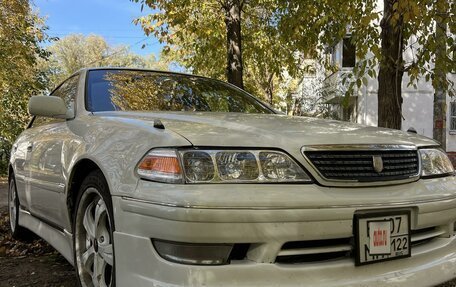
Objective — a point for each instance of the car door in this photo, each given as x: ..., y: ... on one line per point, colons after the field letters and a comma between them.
x: 47, y: 182
x: 20, y: 156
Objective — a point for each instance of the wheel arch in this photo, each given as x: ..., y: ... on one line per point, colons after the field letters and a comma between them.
x: 79, y: 171
x: 10, y: 171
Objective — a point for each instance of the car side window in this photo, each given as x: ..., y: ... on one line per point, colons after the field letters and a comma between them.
x: 67, y: 91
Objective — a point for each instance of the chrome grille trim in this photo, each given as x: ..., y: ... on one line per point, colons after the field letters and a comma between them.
x: 339, y: 147
x: 354, y: 163
x: 425, y: 234
x: 315, y: 250
x: 311, y: 251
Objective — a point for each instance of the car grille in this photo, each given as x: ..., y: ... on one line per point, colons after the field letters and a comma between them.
x: 358, y: 165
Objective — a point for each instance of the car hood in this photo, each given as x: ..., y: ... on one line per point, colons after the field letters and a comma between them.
x: 266, y: 130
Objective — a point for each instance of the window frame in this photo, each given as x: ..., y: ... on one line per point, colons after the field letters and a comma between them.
x: 452, y: 118
x: 342, y: 56
x: 77, y: 88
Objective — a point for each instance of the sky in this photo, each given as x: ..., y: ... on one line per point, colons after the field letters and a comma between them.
x: 111, y: 19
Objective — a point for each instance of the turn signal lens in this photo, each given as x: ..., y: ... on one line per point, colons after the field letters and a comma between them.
x: 161, y: 165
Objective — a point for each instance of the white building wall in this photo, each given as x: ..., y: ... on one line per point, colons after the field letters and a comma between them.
x: 417, y: 111
x: 367, y: 108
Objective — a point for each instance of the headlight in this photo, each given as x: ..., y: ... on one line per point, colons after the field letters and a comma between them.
x: 237, y: 165
x: 279, y: 167
x: 221, y: 166
x: 198, y: 166
x: 435, y: 162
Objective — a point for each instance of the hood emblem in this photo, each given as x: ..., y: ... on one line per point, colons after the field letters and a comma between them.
x: 378, y: 163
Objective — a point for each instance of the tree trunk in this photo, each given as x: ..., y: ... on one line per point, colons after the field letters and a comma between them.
x: 439, y: 81
x: 270, y: 89
x: 390, y: 71
x: 234, y: 69
x: 297, y: 108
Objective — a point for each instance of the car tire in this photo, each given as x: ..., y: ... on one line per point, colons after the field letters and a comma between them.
x: 93, y: 230
x: 17, y: 232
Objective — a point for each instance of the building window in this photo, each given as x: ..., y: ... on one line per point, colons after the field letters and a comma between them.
x: 348, y: 53
x: 453, y: 116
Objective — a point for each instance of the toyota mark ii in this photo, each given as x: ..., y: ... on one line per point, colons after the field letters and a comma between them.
x: 147, y: 178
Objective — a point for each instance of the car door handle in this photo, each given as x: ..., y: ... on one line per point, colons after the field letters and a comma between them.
x: 30, y: 147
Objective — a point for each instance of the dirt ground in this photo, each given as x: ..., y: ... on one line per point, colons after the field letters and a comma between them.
x: 31, y: 263
x: 35, y: 263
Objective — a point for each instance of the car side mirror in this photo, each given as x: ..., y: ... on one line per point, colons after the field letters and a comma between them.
x: 48, y: 106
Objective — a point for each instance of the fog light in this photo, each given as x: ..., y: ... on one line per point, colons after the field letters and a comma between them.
x: 195, y: 254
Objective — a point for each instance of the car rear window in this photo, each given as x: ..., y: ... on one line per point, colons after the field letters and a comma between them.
x: 131, y: 90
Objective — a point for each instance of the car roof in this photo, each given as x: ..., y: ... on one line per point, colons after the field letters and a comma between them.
x: 88, y: 69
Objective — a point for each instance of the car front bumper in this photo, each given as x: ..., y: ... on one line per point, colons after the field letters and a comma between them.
x: 266, y: 229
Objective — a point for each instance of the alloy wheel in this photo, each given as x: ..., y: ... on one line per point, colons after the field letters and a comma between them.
x: 93, y: 241
x: 12, y: 205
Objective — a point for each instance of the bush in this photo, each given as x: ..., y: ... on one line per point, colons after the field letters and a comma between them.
x: 4, y: 156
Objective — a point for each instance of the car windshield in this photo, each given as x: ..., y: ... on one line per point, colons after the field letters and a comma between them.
x: 132, y: 90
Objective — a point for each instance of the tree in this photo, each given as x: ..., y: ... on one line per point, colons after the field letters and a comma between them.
x: 180, y: 13
x: 440, y: 83
x: 269, y: 61
x: 201, y: 36
x: 21, y: 32
x: 391, y: 67
x: 234, y: 66
x: 380, y: 42
x: 77, y: 51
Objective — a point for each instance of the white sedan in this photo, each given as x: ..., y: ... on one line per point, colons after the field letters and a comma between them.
x: 146, y: 178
